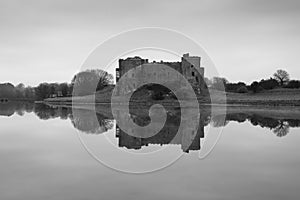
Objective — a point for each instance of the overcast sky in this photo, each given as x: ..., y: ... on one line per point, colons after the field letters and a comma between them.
x: 49, y: 40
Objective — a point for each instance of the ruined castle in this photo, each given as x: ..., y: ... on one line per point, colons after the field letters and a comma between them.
x: 136, y: 68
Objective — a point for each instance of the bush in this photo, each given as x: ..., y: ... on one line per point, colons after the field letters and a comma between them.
x: 233, y: 87
x: 268, y: 84
x: 293, y: 84
x: 242, y: 89
x: 255, y: 87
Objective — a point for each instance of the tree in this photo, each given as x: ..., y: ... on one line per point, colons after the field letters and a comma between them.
x: 255, y: 87
x: 53, y: 89
x: 281, y: 76
x: 219, y: 83
x: 64, y: 88
x: 29, y: 93
x: 7, y: 90
x: 42, y: 91
x: 293, y: 84
x: 89, y: 81
x: 20, y: 90
x: 268, y: 84
x: 20, y: 86
x: 242, y: 89
x: 233, y: 87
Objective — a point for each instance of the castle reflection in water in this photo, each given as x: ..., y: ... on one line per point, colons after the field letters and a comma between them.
x: 100, y: 120
x: 168, y: 135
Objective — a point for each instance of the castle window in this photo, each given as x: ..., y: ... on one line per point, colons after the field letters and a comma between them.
x: 197, y: 79
x: 192, y: 66
x: 193, y: 73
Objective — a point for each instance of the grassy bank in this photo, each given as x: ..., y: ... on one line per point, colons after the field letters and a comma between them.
x: 276, y: 97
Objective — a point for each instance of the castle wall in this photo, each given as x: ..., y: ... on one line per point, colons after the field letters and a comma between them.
x: 130, y: 63
x: 152, y: 72
x: 140, y: 71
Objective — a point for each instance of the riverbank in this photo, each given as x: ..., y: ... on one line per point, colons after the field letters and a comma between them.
x: 276, y: 97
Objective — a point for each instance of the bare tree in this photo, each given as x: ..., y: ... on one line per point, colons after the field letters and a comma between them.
x: 219, y: 83
x: 282, y: 76
x: 89, y: 81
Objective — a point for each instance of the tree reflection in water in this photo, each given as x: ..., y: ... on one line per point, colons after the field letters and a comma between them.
x: 10, y: 108
x: 279, y: 127
x: 101, y: 120
x: 90, y: 122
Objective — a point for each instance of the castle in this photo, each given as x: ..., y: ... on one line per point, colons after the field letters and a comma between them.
x: 137, y: 68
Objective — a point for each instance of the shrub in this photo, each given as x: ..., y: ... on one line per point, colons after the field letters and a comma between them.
x: 268, y: 84
x: 293, y: 84
x: 242, y: 89
x: 255, y: 87
x: 233, y: 87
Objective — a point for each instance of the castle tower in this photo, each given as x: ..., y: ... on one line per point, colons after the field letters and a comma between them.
x: 193, y: 71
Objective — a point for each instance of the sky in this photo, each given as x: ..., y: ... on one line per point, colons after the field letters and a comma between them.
x: 49, y: 40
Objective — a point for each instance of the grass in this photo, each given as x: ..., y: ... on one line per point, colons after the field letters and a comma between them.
x: 276, y: 97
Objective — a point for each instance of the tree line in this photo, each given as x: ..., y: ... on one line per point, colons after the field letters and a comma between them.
x: 89, y: 81
x: 280, y: 79
x: 42, y: 91
x: 83, y: 83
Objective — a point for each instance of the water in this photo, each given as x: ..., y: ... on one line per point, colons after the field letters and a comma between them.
x: 257, y: 156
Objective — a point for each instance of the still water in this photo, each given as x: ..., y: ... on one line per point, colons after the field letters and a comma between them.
x: 53, y: 152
